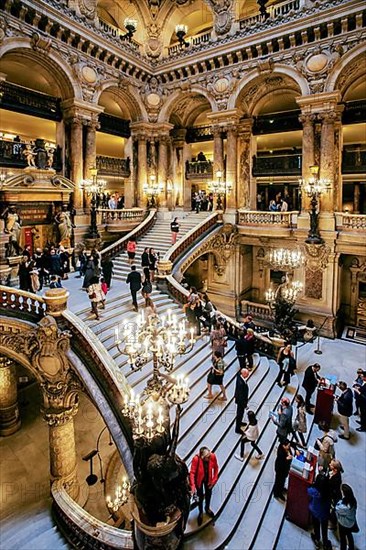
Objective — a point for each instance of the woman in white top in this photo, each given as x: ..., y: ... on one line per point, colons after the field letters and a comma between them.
x: 250, y: 434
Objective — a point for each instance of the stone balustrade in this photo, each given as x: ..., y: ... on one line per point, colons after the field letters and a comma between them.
x: 83, y: 530
x: 258, y: 311
x: 21, y: 302
x: 120, y: 219
x: 259, y: 218
x: 120, y: 245
x: 350, y: 222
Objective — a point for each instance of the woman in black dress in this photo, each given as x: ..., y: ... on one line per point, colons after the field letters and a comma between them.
x: 153, y: 260
x: 216, y: 376
x: 285, y: 361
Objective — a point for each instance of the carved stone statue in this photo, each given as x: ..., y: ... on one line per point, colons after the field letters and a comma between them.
x: 64, y: 226
x: 13, y: 228
x: 29, y: 155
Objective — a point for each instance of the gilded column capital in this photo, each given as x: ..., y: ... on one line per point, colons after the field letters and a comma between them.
x: 217, y: 130
x: 328, y: 117
x: 59, y: 417
x: 307, y: 119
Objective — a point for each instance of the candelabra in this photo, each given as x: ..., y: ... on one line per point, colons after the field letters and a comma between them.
x: 159, y: 341
x: 120, y: 498
x: 93, y: 187
x: 220, y: 188
x: 314, y: 187
x: 152, y: 190
x: 181, y: 31
x: 131, y: 27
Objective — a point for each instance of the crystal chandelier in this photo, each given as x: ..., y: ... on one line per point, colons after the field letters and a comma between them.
x: 120, y: 497
x: 220, y: 187
x: 157, y: 341
x: 287, y: 291
x: 284, y: 259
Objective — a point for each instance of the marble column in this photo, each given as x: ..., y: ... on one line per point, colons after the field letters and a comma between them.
x: 231, y: 167
x: 62, y: 447
x: 76, y: 160
x: 163, y: 168
x: 90, y: 152
x: 327, y: 164
x: 308, y: 153
x: 244, y: 165
x: 218, y: 153
x: 9, y: 412
x: 356, y: 199
x: 178, y: 165
x: 187, y: 189
x: 141, y: 170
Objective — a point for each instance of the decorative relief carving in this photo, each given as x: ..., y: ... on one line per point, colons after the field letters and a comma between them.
x: 3, y: 27
x: 223, y: 10
x: 221, y: 85
x: 222, y: 245
x: 314, y: 283
x: 154, y: 44
x: 316, y: 256
x: 316, y: 63
x: 45, y: 349
x: 41, y: 42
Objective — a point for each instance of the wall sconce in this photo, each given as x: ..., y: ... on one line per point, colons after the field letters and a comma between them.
x: 131, y: 26
x: 181, y: 31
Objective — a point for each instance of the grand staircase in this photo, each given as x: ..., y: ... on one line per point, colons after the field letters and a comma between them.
x: 242, y: 497
x: 246, y: 514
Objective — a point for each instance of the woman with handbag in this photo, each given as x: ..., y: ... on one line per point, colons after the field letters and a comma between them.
x: 299, y: 426
x: 284, y: 374
x: 345, y: 511
x: 250, y: 435
x: 216, y: 376
x: 218, y: 339
x: 96, y: 295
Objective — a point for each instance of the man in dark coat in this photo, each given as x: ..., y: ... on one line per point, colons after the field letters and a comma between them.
x: 310, y: 382
x: 345, y: 408
x: 241, y: 398
x: 360, y: 390
x: 134, y: 280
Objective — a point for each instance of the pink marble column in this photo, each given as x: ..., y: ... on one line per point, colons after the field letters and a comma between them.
x: 90, y: 152
x: 231, y: 166
x: 141, y: 170
x: 308, y: 153
x: 218, y: 153
x: 327, y: 160
x: 76, y: 159
x: 163, y: 168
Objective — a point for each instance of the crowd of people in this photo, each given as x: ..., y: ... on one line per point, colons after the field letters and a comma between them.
x: 47, y: 267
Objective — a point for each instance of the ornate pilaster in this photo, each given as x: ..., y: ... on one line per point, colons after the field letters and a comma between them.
x: 62, y: 447
x: 163, y: 166
x: 247, y: 192
x: 9, y: 412
x: 327, y: 151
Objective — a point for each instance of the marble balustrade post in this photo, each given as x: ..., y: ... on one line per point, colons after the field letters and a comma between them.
x: 62, y: 447
x: 76, y: 159
x: 9, y: 411
x: 231, y: 167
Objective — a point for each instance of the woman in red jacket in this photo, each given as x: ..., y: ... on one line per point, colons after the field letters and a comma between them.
x: 202, y: 477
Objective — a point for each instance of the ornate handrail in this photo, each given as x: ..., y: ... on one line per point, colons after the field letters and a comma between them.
x: 115, y: 248
x: 124, y: 214
x: 194, y: 40
x: 257, y: 217
x: 113, y: 166
x: 274, y: 11
x: 199, y: 169
x: 259, y: 311
x: 15, y: 300
x: 350, y: 222
x: 83, y: 530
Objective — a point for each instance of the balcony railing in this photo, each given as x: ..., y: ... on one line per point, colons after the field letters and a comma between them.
x: 257, y: 218
x: 350, y: 222
x: 11, y: 155
x: 354, y: 162
x: 116, y: 126
x: 277, y: 165
x: 116, y: 221
x: 199, y: 133
x: 194, y: 40
x: 199, y: 169
x: 22, y: 100
x: 115, y: 32
x: 112, y: 166
x: 274, y: 11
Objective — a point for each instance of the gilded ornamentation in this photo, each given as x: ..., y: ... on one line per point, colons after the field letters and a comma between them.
x: 316, y: 256
x: 41, y: 42
x: 61, y: 416
x: 2, y: 28
x: 154, y: 45
x: 222, y: 85
x: 221, y: 245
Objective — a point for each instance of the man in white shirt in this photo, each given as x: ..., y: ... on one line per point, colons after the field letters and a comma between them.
x: 113, y: 202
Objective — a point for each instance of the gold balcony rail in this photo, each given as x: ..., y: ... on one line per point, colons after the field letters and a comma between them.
x: 259, y: 218
x: 350, y: 222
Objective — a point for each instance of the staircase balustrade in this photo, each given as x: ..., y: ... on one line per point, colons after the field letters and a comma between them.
x: 108, y: 216
x: 120, y: 245
x: 83, y: 530
x: 350, y: 222
x: 257, y: 218
x: 21, y: 302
